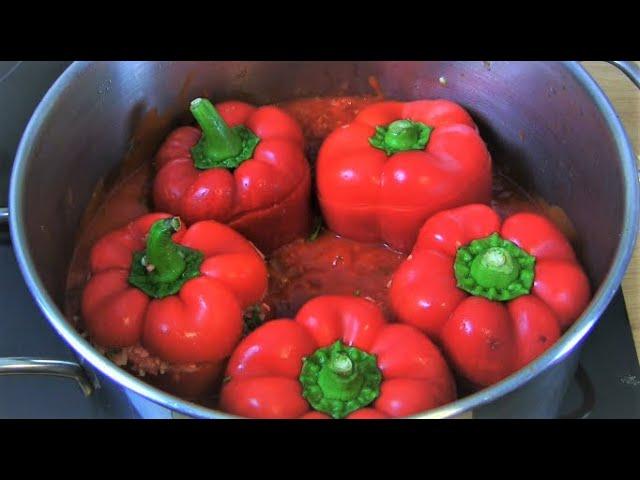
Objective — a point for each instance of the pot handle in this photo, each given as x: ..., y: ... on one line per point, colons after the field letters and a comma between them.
x: 588, y: 396
x: 630, y: 69
x: 42, y: 366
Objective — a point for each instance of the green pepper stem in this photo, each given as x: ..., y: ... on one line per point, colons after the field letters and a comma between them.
x: 494, y: 268
x: 339, y: 379
x: 401, y: 136
x: 341, y: 364
x: 162, y: 258
x: 164, y: 267
x: 495, y: 258
x: 219, y: 142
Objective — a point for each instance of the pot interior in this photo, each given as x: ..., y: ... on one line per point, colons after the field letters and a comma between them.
x: 539, y: 122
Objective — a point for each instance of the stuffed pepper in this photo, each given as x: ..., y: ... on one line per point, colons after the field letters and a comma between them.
x: 337, y: 359
x: 244, y: 166
x: 494, y: 294
x: 380, y: 177
x: 168, y: 301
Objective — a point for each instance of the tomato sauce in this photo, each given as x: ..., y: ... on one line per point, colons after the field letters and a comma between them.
x: 329, y: 265
x: 298, y: 271
x: 318, y: 117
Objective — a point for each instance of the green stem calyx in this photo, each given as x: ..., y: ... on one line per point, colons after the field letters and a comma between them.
x: 400, y: 136
x: 494, y: 268
x: 339, y: 379
x: 220, y: 146
x: 162, y: 269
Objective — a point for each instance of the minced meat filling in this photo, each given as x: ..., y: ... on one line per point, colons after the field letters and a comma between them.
x: 141, y: 362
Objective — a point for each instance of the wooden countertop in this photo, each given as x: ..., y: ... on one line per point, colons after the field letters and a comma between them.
x: 625, y: 98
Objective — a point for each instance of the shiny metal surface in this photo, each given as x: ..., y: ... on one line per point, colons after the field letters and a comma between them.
x: 548, y: 123
x: 13, y: 118
x: 630, y: 69
x: 42, y: 366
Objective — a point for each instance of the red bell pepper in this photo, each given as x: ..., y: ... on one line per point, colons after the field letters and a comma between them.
x: 380, y: 177
x: 244, y: 166
x: 178, y: 292
x: 338, y: 358
x: 494, y: 294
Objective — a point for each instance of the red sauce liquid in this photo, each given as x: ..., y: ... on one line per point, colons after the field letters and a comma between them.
x: 300, y: 270
x: 329, y: 265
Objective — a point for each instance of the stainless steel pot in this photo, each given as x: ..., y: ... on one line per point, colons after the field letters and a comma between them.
x: 548, y: 120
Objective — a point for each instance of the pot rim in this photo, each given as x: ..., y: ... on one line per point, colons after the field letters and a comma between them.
x: 556, y: 353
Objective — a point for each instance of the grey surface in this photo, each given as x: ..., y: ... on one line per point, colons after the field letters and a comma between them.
x: 611, y: 366
x: 22, y: 86
x: 547, y: 121
x: 25, y: 332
